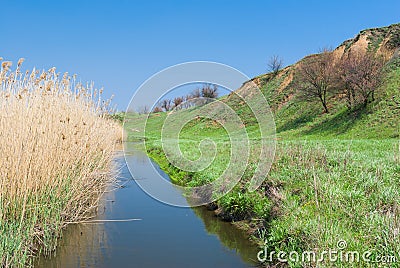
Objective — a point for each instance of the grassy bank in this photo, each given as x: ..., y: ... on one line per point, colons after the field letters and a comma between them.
x: 56, y: 147
x: 334, y: 177
x: 317, y: 193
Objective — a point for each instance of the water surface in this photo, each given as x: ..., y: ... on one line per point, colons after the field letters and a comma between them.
x: 165, y: 237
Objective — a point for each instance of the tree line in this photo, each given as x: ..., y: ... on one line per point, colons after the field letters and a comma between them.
x: 199, y: 96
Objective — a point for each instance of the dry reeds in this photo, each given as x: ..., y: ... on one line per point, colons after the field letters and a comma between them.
x: 56, y: 148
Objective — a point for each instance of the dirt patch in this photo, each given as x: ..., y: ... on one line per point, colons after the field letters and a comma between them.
x: 285, y: 83
x: 338, y: 53
x: 361, y: 45
x: 383, y: 50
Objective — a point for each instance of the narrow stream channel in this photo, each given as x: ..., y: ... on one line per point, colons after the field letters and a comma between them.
x: 166, y: 236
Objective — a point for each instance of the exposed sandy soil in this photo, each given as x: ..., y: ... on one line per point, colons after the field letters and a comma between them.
x: 288, y: 79
x: 361, y: 45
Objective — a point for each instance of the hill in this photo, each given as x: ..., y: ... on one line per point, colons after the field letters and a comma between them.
x: 296, y: 118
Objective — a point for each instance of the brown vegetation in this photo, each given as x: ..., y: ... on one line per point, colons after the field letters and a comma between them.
x: 316, y: 77
x: 56, y: 145
x: 196, y: 97
x: 360, y: 74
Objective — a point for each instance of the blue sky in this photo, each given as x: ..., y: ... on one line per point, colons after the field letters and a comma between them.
x: 119, y: 44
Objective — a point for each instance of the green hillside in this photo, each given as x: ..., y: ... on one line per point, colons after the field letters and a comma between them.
x: 335, y: 176
x: 296, y: 118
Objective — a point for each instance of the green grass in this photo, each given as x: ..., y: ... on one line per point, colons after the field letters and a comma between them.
x: 324, y: 191
x: 335, y: 176
x: 40, y: 229
x: 44, y: 219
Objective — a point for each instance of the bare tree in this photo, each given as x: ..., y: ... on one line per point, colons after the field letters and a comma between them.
x: 209, y: 91
x: 194, y: 98
x: 166, y: 104
x: 195, y: 93
x: 199, y: 96
x: 157, y: 109
x: 316, y: 77
x: 186, y: 101
x: 344, y: 83
x: 361, y: 76
x: 275, y: 64
x: 143, y: 109
x: 177, y: 101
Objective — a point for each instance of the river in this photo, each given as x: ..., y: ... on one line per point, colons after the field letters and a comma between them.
x: 166, y: 236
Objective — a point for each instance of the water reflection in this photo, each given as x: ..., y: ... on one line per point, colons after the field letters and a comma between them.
x: 229, y: 236
x: 84, y: 244
x: 165, y: 237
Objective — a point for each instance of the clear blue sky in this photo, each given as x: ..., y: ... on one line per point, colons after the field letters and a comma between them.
x: 119, y: 44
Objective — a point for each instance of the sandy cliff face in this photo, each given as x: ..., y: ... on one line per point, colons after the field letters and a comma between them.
x: 384, y: 41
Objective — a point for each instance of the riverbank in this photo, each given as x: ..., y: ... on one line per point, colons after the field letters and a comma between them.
x: 319, y: 191
x: 57, y: 145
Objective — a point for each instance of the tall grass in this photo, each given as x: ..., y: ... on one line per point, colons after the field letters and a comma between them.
x: 56, y: 148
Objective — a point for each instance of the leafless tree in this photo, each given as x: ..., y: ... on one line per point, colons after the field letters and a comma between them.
x: 157, y: 109
x: 361, y: 76
x: 209, y: 91
x: 194, y: 98
x: 199, y: 96
x: 166, y: 104
x: 344, y: 84
x: 316, y: 77
x: 186, y: 101
x: 195, y: 93
x: 177, y: 101
x: 143, y: 109
x: 275, y: 63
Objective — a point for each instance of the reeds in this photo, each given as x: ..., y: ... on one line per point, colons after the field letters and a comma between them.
x: 56, y: 148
